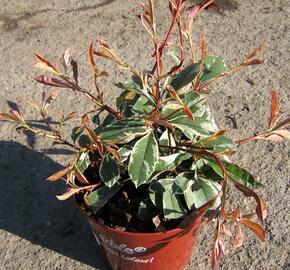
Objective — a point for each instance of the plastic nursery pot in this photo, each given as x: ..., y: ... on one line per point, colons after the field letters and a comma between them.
x: 170, y: 250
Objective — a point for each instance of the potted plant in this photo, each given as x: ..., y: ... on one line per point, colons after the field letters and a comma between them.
x: 149, y: 170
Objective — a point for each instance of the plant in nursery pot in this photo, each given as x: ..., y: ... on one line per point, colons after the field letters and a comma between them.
x: 150, y: 169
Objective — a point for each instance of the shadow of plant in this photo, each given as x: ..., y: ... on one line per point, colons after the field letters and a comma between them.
x: 223, y: 5
x: 30, y: 210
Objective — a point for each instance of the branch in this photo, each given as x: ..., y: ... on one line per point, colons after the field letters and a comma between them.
x: 165, y: 43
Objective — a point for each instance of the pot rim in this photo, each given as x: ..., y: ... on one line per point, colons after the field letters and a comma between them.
x: 172, y: 231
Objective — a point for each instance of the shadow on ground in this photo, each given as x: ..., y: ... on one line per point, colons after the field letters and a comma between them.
x: 30, y: 210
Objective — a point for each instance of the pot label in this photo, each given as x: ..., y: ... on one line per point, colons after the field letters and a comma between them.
x: 118, y: 249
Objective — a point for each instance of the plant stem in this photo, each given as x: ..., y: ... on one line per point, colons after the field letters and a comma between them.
x: 246, y: 140
x: 94, y: 99
x: 55, y: 137
x: 164, y: 45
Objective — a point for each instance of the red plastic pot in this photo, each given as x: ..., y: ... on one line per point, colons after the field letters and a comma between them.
x: 170, y: 250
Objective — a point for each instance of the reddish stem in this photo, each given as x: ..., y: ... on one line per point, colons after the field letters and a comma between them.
x: 158, y: 59
x: 246, y: 140
x: 182, y: 44
x: 164, y: 45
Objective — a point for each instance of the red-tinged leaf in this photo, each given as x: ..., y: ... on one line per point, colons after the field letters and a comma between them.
x: 272, y: 137
x: 93, y: 135
x: 254, y: 62
x: 8, y: 117
x: 151, y: 10
x: 65, y: 58
x: 173, y: 94
x: 72, y: 191
x: 226, y: 231
x: 96, y: 139
x: 282, y: 124
x: 74, y: 65
x: 59, y: 175
x: 256, y: 51
x: 191, y: 12
x: 275, y: 108
x: 16, y: 115
x: 44, y: 64
x: 146, y: 23
x: 261, y: 208
x: 80, y: 176
x: 92, y: 60
x: 239, y: 237
x: 52, y: 81
x: 70, y: 116
x: 86, y: 120
x: 283, y: 133
x: 44, y: 67
x: 217, y: 250
x: 50, y: 99
x: 256, y: 228
x: 104, y: 55
x: 146, y: 20
x: 103, y: 43
x: 189, y: 113
x: 115, y: 153
x: 203, y: 48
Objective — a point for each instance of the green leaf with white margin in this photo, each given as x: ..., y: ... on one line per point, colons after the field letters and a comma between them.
x: 204, y: 123
x: 236, y: 173
x: 202, y: 191
x: 217, y: 142
x: 186, y: 76
x: 83, y: 161
x: 167, y: 139
x: 143, y: 106
x: 136, y: 88
x: 214, y: 67
x: 161, y: 191
x: 98, y: 198
x: 125, y: 152
x: 143, y: 159
x: 183, y: 182
x: 197, y: 108
x: 169, y: 162
x: 172, y: 206
x: 124, y: 131
x: 109, y: 170
x: 200, y: 127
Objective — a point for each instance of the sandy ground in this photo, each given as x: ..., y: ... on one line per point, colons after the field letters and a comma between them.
x: 38, y: 232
